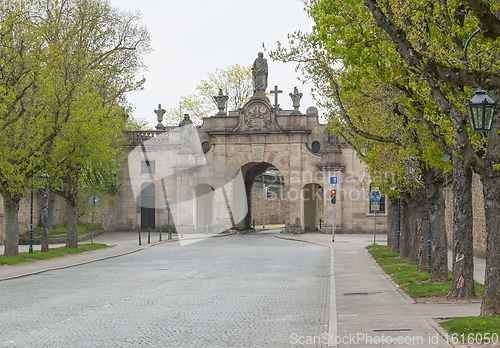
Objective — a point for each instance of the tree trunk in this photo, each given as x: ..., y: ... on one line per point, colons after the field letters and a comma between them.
x: 52, y: 197
x: 417, y: 214
x: 72, y: 230
x: 422, y: 234
x: 404, y: 246
x: 11, y: 209
x: 392, y: 224
x: 439, y: 242
x: 463, y: 252
x: 412, y: 235
x: 44, y: 217
x: 491, y: 192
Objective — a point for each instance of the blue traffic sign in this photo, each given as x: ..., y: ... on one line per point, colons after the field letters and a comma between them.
x: 333, y: 180
x: 375, y: 196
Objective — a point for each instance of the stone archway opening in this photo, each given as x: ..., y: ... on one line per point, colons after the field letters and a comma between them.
x: 268, y: 199
x: 311, y: 206
x: 204, y: 208
x: 250, y: 172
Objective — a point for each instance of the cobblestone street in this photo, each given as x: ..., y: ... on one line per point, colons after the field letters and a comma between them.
x: 249, y: 290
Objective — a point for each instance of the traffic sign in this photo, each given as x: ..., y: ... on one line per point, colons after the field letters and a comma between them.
x: 375, y: 196
x: 333, y: 180
x: 375, y: 207
x: 94, y: 201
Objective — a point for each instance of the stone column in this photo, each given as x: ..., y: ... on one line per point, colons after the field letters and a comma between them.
x: 295, y: 184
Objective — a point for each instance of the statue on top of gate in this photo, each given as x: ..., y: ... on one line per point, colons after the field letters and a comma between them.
x: 259, y: 74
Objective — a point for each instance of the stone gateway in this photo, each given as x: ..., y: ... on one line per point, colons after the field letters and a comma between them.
x: 207, y: 173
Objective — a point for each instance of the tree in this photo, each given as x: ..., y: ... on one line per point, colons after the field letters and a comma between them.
x: 436, y: 57
x: 369, y: 108
x: 66, y: 66
x: 22, y: 132
x: 106, y: 48
x: 235, y: 81
x: 423, y: 45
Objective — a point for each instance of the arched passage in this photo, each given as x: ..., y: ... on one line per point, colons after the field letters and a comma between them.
x: 310, y: 206
x: 204, y: 207
x: 148, y: 205
x: 252, y: 167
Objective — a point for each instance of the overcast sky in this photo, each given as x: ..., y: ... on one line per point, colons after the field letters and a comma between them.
x: 191, y: 38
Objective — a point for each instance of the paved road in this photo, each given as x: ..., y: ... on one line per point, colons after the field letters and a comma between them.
x: 248, y: 290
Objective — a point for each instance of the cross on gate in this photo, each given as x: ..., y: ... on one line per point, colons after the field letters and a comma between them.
x: 275, y: 92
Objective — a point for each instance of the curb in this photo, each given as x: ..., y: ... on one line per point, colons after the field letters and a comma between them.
x: 72, y: 265
x: 106, y: 257
x: 398, y: 288
x: 443, y: 332
x: 332, y: 324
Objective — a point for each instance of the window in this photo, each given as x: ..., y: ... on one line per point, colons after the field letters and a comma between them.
x: 205, y: 146
x: 147, y: 167
x: 381, y: 203
x: 315, y: 147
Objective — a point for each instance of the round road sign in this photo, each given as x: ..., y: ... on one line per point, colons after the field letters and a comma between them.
x: 375, y: 196
x: 94, y: 201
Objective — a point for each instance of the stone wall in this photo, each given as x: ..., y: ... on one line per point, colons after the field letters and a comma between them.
x: 105, y: 214
x: 479, y: 225
x: 275, y: 205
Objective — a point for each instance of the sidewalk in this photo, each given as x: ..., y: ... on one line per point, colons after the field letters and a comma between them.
x: 368, y: 305
x: 121, y: 243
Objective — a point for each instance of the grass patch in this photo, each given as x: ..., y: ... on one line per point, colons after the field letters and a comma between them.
x: 93, y: 246
x: 379, y: 251
x: 398, y: 269
x: 375, y: 246
x: 37, y: 254
x: 427, y: 289
x: 433, y: 289
x: 479, y: 287
x: 55, y: 252
x: 474, y: 329
x: 12, y: 260
x: 68, y: 251
x: 385, y: 255
x: 410, y: 277
x: 59, y: 230
x: 386, y: 262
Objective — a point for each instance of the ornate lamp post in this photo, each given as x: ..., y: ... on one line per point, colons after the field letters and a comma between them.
x: 30, y: 250
x: 480, y: 110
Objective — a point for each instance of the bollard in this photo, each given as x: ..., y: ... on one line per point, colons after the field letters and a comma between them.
x: 294, y: 229
x: 139, y: 236
x: 320, y: 224
x: 254, y: 224
x: 160, y: 233
x: 182, y: 231
x: 206, y: 230
x: 149, y: 236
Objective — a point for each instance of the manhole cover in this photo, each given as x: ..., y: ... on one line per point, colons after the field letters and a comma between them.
x: 392, y: 330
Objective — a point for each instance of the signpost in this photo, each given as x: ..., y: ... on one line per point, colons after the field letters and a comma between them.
x: 168, y: 213
x: 263, y: 205
x: 375, y: 197
x: 333, y: 181
x: 94, y: 201
x: 333, y: 200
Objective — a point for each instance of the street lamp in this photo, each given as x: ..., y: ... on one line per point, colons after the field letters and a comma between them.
x: 30, y: 250
x: 480, y: 110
